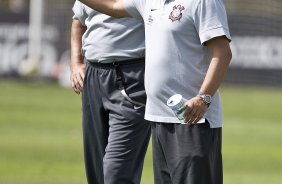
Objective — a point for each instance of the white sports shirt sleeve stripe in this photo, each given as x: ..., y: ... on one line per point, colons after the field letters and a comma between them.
x: 211, y: 20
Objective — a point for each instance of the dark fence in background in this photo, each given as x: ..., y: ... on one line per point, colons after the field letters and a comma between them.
x: 255, y: 25
x: 256, y: 28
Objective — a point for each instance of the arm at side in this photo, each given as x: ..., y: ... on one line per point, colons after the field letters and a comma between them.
x: 221, y: 58
x: 76, y: 64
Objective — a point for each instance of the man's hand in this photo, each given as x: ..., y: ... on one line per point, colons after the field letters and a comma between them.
x: 77, y: 76
x: 195, y: 110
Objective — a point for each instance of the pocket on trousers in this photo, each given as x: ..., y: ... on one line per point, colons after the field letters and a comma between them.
x: 133, y: 79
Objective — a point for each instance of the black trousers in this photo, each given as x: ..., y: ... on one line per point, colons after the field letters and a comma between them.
x: 115, y: 133
x: 186, y: 154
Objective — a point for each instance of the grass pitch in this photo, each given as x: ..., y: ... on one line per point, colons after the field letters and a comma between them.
x: 41, y: 141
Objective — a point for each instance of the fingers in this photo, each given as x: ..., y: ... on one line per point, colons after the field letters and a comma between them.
x: 77, y: 82
x: 195, y: 111
x: 77, y: 76
x: 75, y: 89
x: 80, y: 79
x: 193, y: 116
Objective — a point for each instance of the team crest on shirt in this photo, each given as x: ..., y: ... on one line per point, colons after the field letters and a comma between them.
x: 176, y: 13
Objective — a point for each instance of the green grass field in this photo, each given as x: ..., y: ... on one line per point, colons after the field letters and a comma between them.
x: 41, y: 141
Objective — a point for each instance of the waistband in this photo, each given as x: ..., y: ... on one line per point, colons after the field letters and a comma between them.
x: 118, y: 63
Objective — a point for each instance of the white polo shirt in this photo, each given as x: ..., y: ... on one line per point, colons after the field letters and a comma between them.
x: 176, y: 58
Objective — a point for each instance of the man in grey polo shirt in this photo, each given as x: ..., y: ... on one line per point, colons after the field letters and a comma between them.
x: 187, y: 53
x: 111, y: 80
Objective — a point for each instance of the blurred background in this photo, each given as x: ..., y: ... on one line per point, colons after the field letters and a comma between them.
x: 40, y: 116
x: 34, y: 39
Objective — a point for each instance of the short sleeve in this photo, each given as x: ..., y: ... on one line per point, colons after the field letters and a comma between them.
x: 211, y: 20
x: 79, y: 12
x: 135, y: 8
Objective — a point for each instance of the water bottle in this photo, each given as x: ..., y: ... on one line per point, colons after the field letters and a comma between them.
x: 177, y: 104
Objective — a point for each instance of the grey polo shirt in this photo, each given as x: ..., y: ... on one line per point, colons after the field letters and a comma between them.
x: 177, y: 59
x: 107, y: 38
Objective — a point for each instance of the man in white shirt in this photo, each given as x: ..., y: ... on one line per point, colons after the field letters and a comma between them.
x: 187, y: 53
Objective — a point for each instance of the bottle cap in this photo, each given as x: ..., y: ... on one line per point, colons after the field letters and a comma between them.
x: 175, y: 102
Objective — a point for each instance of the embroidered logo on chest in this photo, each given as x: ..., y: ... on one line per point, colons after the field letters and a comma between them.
x: 176, y: 13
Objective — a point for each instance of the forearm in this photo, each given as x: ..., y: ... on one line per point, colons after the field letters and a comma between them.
x: 77, y: 31
x: 221, y: 57
x: 215, y: 75
x: 112, y: 8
